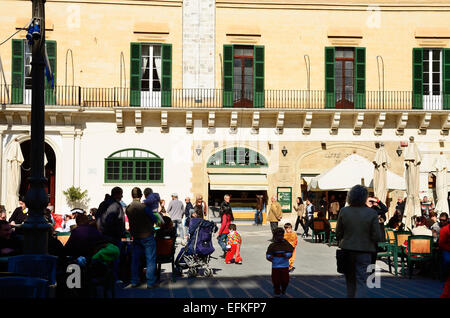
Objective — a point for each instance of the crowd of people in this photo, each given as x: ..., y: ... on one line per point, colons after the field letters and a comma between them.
x: 146, y: 221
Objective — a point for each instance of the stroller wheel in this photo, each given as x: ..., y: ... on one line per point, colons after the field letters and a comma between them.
x: 208, y: 272
x: 192, y: 272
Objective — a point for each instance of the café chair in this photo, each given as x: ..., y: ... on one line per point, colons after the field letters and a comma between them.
x: 23, y: 287
x: 420, y: 249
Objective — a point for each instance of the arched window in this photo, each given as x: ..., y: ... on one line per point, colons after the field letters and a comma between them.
x: 134, y: 166
x: 237, y: 157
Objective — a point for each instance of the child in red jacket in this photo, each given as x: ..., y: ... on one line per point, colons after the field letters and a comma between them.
x: 234, y: 242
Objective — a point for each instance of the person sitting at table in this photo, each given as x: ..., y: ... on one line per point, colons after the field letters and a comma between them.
x: 2, y: 213
x: 20, y: 213
x: 85, y: 239
x: 421, y: 227
x: 395, y: 222
x: 9, y: 243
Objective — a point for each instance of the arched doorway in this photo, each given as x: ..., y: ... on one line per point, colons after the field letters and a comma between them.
x: 50, y: 169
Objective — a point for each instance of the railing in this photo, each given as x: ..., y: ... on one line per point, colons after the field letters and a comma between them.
x: 214, y: 98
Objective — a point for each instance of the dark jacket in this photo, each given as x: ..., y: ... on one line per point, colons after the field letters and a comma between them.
x: 358, y: 229
x: 381, y: 210
x: 112, y: 222
x: 18, y: 216
x: 141, y: 225
x: 84, y: 240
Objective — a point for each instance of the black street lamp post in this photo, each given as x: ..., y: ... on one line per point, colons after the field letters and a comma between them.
x: 35, y: 227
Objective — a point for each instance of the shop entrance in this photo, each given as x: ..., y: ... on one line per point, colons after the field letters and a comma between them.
x: 242, y: 202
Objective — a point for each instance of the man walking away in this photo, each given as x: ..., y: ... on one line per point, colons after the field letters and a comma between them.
x: 275, y: 214
x: 144, y: 244
x: 175, y: 211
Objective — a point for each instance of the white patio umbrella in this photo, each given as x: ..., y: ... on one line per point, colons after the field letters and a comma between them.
x: 381, y: 163
x: 14, y: 161
x: 412, y: 163
x: 441, y: 165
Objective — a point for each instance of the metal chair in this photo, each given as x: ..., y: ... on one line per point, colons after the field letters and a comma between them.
x: 389, y: 249
x: 34, y: 265
x: 318, y: 229
x: 401, y: 237
x: 23, y: 287
x: 165, y: 253
x: 420, y: 249
x: 332, y: 237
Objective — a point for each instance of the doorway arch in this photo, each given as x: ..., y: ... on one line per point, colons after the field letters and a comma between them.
x: 49, y: 170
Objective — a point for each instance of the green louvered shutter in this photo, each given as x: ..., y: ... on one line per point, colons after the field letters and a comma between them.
x: 330, y: 96
x: 446, y: 79
x: 17, y: 72
x: 166, y: 87
x: 360, y: 78
x: 228, y: 53
x: 417, y: 97
x: 50, y: 98
x: 135, y: 74
x: 258, y: 77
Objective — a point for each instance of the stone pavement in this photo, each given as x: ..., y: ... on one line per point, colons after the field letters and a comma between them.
x: 315, y: 275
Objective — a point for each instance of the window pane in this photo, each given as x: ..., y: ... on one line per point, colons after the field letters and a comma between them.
x: 426, y: 55
x: 155, y: 170
x: 229, y: 156
x: 238, y: 51
x: 349, y: 65
x: 436, y: 78
x: 127, y: 170
x: 348, y: 53
x: 145, y: 50
x: 248, y: 52
x: 112, y: 170
x: 339, y: 53
x: 436, y: 67
x: 426, y: 66
x: 156, y: 51
x: 436, y: 55
x: 141, y: 170
x: 436, y: 89
x: 426, y: 89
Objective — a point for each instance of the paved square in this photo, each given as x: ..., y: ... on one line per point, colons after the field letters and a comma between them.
x: 315, y: 275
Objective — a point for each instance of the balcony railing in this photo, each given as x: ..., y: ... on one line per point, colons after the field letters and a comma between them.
x: 213, y: 98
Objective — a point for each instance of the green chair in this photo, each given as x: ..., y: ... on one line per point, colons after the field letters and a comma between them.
x: 389, y: 250
x: 400, y: 238
x: 332, y: 238
x: 420, y: 249
x: 318, y: 230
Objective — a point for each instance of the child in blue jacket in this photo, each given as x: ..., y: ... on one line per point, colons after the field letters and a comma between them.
x: 279, y: 253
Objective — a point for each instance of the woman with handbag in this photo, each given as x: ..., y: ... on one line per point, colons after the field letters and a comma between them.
x: 299, y: 207
x: 358, y: 233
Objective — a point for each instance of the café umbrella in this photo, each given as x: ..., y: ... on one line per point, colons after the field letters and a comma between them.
x: 14, y: 161
x: 441, y: 165
x: 381, y: 163
x: 412, y: 164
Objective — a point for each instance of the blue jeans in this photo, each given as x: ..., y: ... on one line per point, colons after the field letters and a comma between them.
x: 258, y: 217
x: 357, y: 275
x: 223, y: 241
x: 145, y: 246
x: 179, y: 228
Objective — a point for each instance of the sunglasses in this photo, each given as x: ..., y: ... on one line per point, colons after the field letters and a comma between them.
x: 443, y: 220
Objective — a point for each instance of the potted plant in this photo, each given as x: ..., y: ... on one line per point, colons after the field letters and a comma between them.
x: 76, y: 198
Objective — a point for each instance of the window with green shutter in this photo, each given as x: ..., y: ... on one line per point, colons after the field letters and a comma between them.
x: 360, y: 77
x: 330, y: 98
x: 258, y: 100
x: 228, y: 75
x: 134, y: 166
x: 345, y: 77
x: 135, y: 74
x: 417, y: 97
x: 150, y: 75
x: 17, y: 71
x: 446, y: 78
x: 50, y: 98
x: 166, y: 92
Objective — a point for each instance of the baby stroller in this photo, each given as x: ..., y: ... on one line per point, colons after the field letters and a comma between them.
x: 197, y: 252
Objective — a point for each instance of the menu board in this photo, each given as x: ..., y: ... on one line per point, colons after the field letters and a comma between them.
x: 284, y: 197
